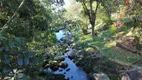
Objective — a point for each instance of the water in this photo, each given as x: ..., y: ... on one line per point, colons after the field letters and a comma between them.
x: 63, y: 34
x: 60, y: 34
x: 74, y: 72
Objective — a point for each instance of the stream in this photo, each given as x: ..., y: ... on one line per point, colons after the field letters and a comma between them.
x: 71, y: 72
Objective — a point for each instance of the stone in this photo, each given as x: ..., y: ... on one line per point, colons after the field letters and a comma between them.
x: 46, y: 66
x: 100, y: 76
x: 92, y: 51
x: 132, y: 74
x: 45, y: 62
x: 71, y: 52
x: 125, y: 77
x: 54, y: 68
x: 63, y: 65
x: 54, y: 65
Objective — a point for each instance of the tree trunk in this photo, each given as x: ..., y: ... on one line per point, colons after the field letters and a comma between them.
x: 93, y: 20
x: 93, y: 26
x: 93, y: 32
x: 91, y: 14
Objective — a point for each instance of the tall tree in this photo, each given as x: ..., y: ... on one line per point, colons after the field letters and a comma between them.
x: 90, y: 11
x: 24, y: 27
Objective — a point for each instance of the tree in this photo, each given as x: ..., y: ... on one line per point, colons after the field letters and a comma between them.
x: 90, y: 11
x: 24, y: 17
x: 25, y: 27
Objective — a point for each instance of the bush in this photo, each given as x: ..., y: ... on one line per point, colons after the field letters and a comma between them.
x: 113, y: 28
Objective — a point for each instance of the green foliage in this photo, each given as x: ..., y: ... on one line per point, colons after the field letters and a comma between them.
x: 31, y: 16
x: 126, y: 20
x: 14, y: 54
x: 74, y: 11
x: 103, y: 15
x: 28, y: 34
x: 123, y: 29
x: 113, y: 28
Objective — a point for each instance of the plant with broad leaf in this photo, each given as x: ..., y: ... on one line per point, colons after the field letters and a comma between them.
x: 14, y: 54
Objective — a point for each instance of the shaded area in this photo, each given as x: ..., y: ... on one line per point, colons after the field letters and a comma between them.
x: 93, y: 62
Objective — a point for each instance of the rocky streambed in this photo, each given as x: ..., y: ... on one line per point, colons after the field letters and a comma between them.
x: 67, y: 68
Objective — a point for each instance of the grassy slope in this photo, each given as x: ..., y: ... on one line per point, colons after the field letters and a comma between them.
x: 109, y: 50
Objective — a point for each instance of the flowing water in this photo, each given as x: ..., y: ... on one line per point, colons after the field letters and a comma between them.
x: 60, y: 34
x: 72, y: 72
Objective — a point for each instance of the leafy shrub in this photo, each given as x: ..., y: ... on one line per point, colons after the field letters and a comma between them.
x: 14, y: 55
x: 113, y: 28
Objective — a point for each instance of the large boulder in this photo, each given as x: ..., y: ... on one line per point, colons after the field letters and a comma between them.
x: 87, y: 58
x: 93, y: 52
x: 100, y: 76
x: 91, y: 60
x: 132, y: 74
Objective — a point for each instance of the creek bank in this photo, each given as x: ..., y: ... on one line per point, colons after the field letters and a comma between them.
x: 92, y: 62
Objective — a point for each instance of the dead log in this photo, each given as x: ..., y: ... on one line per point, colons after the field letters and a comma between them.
x: 128, y: 49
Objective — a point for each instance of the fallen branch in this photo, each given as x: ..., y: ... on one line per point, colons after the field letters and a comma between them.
x: 128, y: 49
x: 5, y: 25
x: 126, y: 64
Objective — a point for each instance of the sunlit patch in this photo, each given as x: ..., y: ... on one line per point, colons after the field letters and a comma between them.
x: 110, y: 44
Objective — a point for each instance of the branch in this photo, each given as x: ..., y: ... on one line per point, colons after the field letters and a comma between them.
x: 96, y: 7
x: 91, y: 10
x: 86, y: 9
x: 5, y: 26
x: 103, y: 3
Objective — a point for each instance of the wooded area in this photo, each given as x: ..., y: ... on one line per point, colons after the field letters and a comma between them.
x: 87, y: 40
